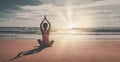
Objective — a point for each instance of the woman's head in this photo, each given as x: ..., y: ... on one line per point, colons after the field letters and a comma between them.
x: 45, y: 25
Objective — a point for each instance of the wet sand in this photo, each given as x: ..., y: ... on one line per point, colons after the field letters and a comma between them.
x: 61, y: 51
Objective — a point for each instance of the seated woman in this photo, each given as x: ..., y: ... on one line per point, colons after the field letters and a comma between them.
x: 45, y: 31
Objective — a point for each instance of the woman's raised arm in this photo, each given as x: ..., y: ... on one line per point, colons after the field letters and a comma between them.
x: 41, y: 24
x: 49, y: 25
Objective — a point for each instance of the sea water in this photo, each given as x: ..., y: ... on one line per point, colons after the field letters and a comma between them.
x: 34, y: 33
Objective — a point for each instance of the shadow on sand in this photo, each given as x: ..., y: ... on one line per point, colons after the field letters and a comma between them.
x: 29, y: 52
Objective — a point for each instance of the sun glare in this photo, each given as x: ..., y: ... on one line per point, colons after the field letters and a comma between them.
x: 68, y: 15
x: 70, y: 25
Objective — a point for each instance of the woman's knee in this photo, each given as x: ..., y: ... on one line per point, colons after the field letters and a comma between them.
x: 52, y: 40
x: 39, y: 39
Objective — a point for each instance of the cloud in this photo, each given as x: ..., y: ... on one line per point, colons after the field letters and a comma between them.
x: 105, y: 7
x: 106, y: 10
x: 12, y: 4
x: 30, y: 12
x: 8, y: 6
x: 65, y: 2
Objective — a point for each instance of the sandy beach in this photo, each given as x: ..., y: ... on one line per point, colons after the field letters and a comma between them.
x: 61, y: 51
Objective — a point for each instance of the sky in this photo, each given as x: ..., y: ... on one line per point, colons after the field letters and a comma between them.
x: 61, y: 13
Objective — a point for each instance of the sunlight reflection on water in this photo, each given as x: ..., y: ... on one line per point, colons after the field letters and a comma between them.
x: 63, y: 37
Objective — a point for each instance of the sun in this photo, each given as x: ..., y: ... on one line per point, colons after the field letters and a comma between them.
x: 70, y: 25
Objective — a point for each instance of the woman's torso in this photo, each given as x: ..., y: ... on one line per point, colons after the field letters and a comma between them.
x: 45, y: 36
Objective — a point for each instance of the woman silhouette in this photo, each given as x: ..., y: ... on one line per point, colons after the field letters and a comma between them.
x: 45, y: 31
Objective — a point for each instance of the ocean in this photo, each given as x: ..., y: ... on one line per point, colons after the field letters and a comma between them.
x: 108, y: 33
